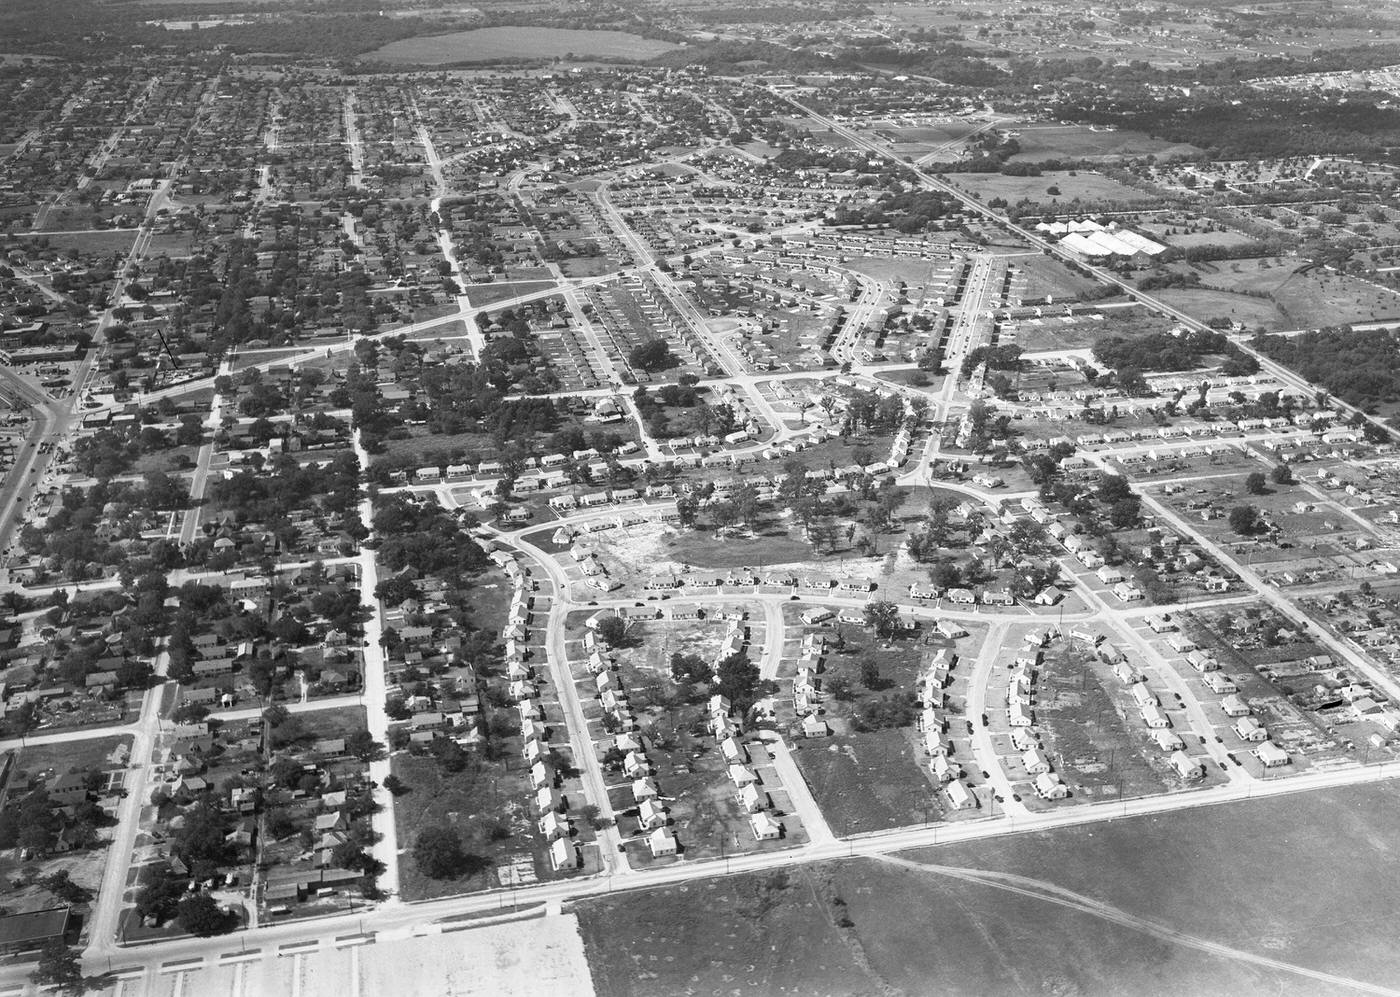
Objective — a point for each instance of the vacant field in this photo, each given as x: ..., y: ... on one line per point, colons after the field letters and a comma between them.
x: 481, y: 295
x: 1046, y: 276
x: 1204, y: 304
x: 1088, y: 739
x: 867, y: 782
x: 96, y: 753
x: 485, y: 44
x: 868, y: 926
x: 1084, y: 186
x: 101, y: 242
x: 1055, y: 333
x: 1040, y: 142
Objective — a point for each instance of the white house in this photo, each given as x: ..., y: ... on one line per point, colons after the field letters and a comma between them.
x: 1167, y: 740
x: 1235, y: 707
x: 1049, y: 787
x: 1153, y: 716
x: 1250, y: 729
x: 563, y: 855
x: 765, y: 828
x: 959, y: 797
x: 1270, y: 755
x: 661, y: 842
x: 741, y: 775
x: 1186, y: 766
x: 1035, y: 761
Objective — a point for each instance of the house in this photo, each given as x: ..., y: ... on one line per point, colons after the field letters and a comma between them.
x: 765, y: 828
x: 1143, y: 696
x: 1167, y: 740
x: 959, y: 796
x: 1035, y: 761
x: 548, y: 798
x: 733, y: 751
x: 1018, y: 715
x: 1153, y: 716
x: 1235, y: 707
x: 1250, y: 729
x: 651, y: 814
x: 752, y: 798
x: 563, y: 855
x: 1218, y: 682
x: 814, y: 726
x: 644, y: 789
x: 661, y: 842
x: 1186, y: 766
x: 945, y: 770
x: 741, y: 775
x: 1270, y: 755
x: 555, y: 825
x: 1049, y: 787
x: 67, y: 790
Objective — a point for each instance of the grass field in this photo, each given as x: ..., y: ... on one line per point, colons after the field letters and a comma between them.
x: 481, y: 295
x: 1205, y: 304
x: 1084, y: 186
x: 99, y: 242
x: 96, y: 753
x: 867, y: 782
x: 1308, y: 300
x: 1040, y: 142
x: 868, y: 926
x: 486, y: 44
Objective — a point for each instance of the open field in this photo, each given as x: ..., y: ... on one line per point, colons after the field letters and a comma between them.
x: 101, y: 242
x: 1084, y: 186
x: 485, y: 44
x: 1041, y: 142
x: 1306, y: 300
x: 481, y: 295
x: 872, y: 926
x: 867, y: 782
x: 96, y: 753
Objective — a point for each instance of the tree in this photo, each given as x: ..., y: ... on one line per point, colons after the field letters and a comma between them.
x: 200, y: 915
x: 690, y: 669
x: 1124, y: 512
x: 58, y: 967
x: 1255, y: 483
x: 438, y: 853
x: 363, y: 746
x: 395, y: 785
x: 652, y: 355
x: 882, y: 616
x: 1281, y: 475
x: 612, y: 630
x: 870, y: 674
x: 276, y: 715
x: 737, y: 679
x: 1244, y: 519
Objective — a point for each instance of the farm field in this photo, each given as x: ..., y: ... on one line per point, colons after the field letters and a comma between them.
x: 870, y: 926
x: 485, y: 44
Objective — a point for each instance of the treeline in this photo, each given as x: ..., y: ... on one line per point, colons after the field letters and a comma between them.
x: 1255, y: 126
x: 1359, y: 367
x: 1158, y: 350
